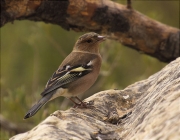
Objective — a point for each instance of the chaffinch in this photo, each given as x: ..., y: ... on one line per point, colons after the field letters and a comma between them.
x: 76, y: 74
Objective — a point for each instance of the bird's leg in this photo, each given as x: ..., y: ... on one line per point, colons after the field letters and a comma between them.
x: 75, y: 104
x: 82, y: 104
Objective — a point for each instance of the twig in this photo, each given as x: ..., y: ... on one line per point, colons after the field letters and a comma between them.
x: 11, y: 127
x: 129, y: 4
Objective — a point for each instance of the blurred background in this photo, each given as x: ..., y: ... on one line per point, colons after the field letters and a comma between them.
x: 32, y: 51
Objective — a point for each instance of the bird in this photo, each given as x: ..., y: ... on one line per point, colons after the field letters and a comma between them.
x: 76, y: 74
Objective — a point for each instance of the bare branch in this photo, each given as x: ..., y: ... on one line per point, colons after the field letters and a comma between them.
x: 11, y: 127
x: 118, y: 22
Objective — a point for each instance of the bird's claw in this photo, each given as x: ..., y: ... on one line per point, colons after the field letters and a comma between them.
x: 83, y: 105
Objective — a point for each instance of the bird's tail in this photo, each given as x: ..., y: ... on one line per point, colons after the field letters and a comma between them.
x: 38, y: 105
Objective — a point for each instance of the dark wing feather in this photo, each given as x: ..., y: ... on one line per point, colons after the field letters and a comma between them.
x: 64, y: 77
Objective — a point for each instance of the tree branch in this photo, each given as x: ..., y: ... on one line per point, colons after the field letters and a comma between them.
x: 148, y: 109
x: 118, y: 22
x: 11, y: 127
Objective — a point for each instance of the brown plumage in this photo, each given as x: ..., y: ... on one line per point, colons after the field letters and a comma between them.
x: 76, y: 74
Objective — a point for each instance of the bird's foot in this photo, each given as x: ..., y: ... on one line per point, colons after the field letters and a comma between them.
x: 83, y: 105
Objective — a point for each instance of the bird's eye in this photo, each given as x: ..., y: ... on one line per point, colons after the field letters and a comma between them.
x: 89, y: 40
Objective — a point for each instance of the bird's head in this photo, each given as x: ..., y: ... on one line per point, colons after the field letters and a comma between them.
x: 89, y: 42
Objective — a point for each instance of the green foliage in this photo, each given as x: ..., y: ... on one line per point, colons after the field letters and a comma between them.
x: 32, y: 51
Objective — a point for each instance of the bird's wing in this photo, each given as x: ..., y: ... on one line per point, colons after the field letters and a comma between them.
x: 68, y: 73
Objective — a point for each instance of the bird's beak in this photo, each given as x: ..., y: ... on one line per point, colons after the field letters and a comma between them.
x: 101, y: 38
